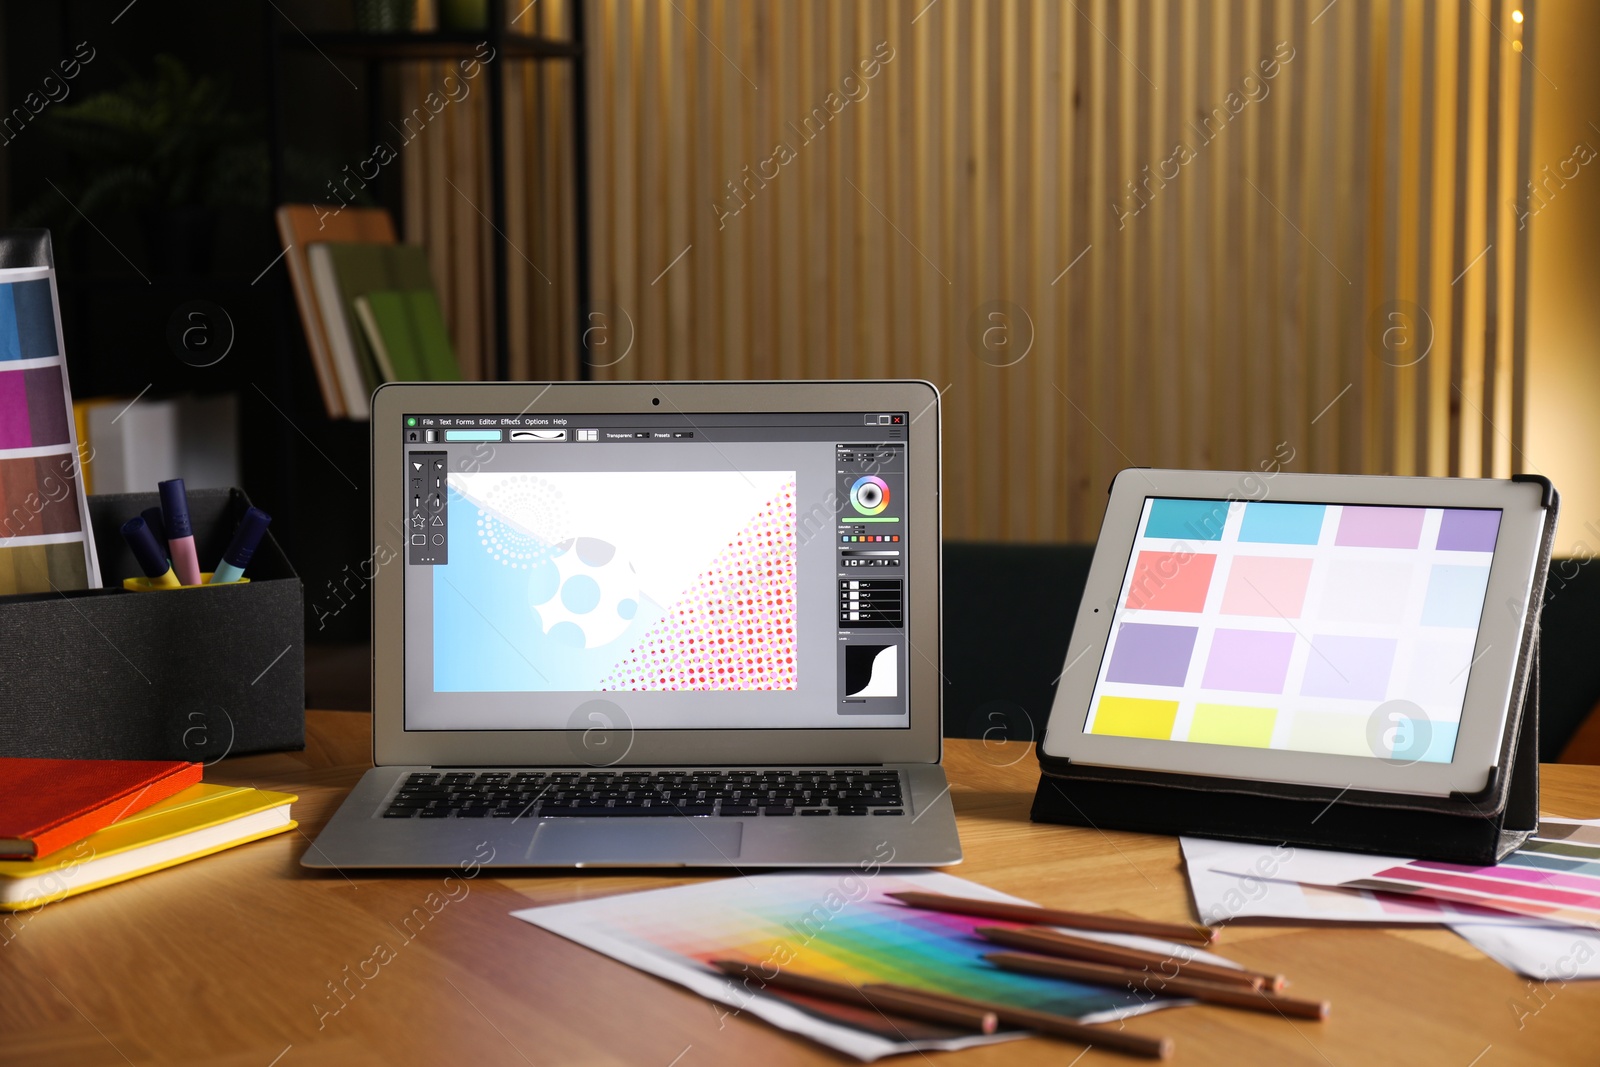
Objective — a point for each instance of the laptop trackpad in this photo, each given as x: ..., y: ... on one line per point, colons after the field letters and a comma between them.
x: 582, y: 842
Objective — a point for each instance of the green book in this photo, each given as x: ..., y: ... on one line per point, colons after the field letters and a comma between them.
x: 361, y: 269
x: 407, y: 335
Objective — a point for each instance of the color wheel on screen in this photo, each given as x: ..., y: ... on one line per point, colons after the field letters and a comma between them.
x: 870, y: 495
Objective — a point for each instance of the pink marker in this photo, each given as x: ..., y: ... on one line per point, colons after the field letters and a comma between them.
x: 180, y: 536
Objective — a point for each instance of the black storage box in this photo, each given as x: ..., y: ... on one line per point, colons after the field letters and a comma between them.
x: 191, y: 674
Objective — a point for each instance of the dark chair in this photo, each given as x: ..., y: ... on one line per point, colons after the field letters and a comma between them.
x: 1009, y: 608
x: 1008, y: 611
x: 1569, y: 653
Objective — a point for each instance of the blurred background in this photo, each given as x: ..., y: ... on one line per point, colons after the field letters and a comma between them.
x: 1346, y: 236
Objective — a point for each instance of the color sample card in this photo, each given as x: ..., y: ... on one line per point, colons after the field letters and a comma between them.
x: 46, y: 542
x: 1555, y: 876
x: 1313, y: 627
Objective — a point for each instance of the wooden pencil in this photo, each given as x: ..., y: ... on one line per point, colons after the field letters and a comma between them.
x: 1231, y: 996
x: 886, y: 997
x: 1028, y: 913
x: 1156, y: 1048
x: 1054, y: 943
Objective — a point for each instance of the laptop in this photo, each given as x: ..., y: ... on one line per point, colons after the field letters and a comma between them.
x: 634, y: 624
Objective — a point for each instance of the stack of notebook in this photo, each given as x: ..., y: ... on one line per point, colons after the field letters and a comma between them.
x: 68, y: 826
x: 367, y: 303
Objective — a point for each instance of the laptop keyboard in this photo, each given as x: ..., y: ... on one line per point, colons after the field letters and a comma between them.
x: 543, y: 794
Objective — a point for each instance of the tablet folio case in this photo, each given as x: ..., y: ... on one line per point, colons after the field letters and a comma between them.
x: 1480, y: 828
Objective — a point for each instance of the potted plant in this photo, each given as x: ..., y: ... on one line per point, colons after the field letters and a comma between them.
x: 167, y: 148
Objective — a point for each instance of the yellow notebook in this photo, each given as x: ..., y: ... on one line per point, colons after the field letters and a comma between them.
x: 196, y: 822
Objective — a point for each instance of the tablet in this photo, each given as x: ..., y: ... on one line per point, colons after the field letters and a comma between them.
x: 1334, y: 630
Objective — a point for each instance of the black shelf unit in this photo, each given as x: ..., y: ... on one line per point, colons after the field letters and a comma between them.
x: 316, y: 479
x: 374, y: 50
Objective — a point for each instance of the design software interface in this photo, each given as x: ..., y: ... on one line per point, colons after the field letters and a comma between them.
x: 1313, y: 627
x: 697, y: 571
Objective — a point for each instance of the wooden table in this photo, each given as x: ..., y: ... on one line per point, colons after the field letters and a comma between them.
x: 230, y: 960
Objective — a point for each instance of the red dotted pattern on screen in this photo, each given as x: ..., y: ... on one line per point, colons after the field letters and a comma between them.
x: 735, y: 628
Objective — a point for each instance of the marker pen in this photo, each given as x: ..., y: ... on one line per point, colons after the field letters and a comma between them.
x: 242, y: 547
x: 148, y: 552
x: 152, y: 519
x: 180, y: 535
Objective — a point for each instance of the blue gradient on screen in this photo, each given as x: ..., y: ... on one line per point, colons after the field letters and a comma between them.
x: 487, y: 635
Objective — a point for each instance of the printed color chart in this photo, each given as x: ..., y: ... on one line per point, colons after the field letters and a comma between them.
x: 1312, y: 627
x: 840, y: 925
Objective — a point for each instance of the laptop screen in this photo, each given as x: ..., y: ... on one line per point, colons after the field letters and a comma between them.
x: 689, y: 571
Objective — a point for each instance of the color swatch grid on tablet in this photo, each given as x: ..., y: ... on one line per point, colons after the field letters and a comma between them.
x: 1325, y: 628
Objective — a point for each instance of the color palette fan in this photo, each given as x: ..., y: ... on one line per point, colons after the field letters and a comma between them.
x: 1555, y: 876
x: 49, y: 544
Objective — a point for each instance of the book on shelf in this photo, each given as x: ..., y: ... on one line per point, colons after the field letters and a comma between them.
x: 407, y: 322
x: 407, y: 334
x: 299, y: 227
x: 357, y: 379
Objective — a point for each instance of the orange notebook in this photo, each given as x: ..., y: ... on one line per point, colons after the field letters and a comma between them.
x: 46, y: 804
x: 300, y: 225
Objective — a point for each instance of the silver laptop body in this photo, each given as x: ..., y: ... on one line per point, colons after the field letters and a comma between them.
x: 653, y: 624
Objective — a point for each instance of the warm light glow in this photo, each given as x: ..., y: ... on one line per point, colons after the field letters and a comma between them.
x: 1516, y: 46
x: 1516, y: 16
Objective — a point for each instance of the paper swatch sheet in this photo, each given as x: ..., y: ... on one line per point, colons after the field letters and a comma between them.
x: 842, y: 926
x: 46, y: 543
x: 1554, y: 877
x: 1233, y: 880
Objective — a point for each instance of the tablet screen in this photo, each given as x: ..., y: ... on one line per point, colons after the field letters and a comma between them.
x: 1338, y: 629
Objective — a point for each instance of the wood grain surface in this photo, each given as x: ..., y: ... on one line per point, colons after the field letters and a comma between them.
x: 233, y: 959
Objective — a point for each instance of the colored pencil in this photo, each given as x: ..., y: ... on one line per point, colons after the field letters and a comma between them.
x: 1028, y: 913
x: 1156, y: 1048
x: 1053, y: 943
x: 887, y: 998
x: 1210, y: 992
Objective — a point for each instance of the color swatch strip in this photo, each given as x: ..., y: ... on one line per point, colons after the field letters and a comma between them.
x: 27, y: 320
x: 37, y: 568
x: 40, y: 495
x: 33, y: 408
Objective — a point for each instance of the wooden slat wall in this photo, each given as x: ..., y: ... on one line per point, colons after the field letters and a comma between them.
x: 447, y: 202
x: 995, y: 211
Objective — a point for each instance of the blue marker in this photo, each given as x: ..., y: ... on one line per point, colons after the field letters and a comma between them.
x: 242, y: 547
x: 180, y: 535
x: 152, y: 560
x: 152, y: 519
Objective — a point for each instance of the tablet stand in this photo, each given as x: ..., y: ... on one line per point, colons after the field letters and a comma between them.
x: 1477, y: 829
x: 1481, y: 828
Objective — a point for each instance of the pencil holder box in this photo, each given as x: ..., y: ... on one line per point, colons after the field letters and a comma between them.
x: 191, y: 674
